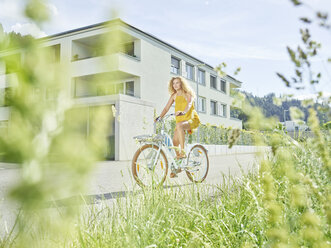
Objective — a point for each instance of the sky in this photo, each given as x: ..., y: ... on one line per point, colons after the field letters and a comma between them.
x: 252, y: 35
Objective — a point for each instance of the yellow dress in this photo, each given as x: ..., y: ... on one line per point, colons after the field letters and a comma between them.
x: 191, y: 116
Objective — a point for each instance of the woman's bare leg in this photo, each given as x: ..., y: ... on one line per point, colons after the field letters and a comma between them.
x: 175, y: 141
x: 181, y: 127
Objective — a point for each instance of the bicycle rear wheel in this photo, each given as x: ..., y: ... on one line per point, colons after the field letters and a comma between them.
x: 199, y: 163
x: 145, y: 171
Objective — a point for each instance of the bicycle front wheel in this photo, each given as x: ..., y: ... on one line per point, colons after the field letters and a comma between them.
x: 199, y: 164
x: 148, y: 170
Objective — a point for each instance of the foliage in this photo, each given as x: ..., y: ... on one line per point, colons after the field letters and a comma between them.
x: 13, y: 40
x: 209, y: 134
x: 46, y: 137
x: 280, y: 106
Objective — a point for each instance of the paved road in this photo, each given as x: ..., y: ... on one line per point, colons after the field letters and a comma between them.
x: 117, y: 177
x: 113, y: 179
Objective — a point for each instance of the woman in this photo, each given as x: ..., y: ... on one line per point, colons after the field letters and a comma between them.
x: 186, y: 116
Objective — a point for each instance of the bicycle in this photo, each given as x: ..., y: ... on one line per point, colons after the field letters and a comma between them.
x: 156, y: 151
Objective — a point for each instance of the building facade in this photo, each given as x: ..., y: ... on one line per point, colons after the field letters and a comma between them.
x: 137, y: 78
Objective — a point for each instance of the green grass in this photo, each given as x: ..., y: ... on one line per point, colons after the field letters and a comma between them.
x: 284, y: 203
x: 194, y: 216
x: 234, y: 214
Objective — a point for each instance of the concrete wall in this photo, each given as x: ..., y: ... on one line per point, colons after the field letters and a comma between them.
x: 135, y: 118
x: 155, y: 75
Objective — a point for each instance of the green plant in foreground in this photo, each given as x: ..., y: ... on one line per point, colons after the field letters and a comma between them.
x: 47, y: 140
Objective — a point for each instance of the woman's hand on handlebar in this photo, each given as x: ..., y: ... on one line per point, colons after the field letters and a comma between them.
x: 157, y: 119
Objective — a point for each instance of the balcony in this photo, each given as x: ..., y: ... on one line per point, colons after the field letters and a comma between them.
x: 118, y: 62
x: 109, y: 83
x: 90, y: 56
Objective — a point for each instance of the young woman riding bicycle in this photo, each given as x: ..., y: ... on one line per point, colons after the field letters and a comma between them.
x: 186, y: 116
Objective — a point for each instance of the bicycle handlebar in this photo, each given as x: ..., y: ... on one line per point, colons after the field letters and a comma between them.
x: 162, y: 120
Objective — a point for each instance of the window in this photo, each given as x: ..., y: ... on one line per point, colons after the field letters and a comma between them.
x: 201, y: 77
x: 175, y: 65
x: 213, y: 82
x: 223, y: 85
x: 222, y: 110
x: 129, y: 88
x: 127, y: 48
x: 213, y: 107
x: 190, y: 71
x: 202, y: 104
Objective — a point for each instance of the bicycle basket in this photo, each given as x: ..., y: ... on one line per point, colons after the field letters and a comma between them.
x: 149, y: 138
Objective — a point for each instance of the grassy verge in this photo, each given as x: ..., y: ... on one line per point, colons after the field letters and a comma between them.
x: 286, y: 203
x: 288, y: 209
x: 195, y: 216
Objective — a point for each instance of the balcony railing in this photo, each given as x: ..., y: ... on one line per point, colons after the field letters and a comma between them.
x: 110, y: 63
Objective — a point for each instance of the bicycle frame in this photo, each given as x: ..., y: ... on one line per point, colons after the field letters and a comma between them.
x: 167, y: 145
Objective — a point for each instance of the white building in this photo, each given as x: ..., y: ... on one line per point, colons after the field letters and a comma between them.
x: 139, y: 76
x: 294, y: 126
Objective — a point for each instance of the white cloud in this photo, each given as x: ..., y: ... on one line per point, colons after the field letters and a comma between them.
x: 52, y: 9
x: 28, y: 28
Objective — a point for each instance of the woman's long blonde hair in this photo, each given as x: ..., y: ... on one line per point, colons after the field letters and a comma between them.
x: 184, y: 84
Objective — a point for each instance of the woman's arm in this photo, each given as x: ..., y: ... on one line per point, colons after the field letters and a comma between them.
x: 167, y: 107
